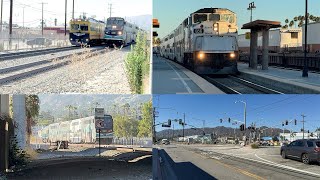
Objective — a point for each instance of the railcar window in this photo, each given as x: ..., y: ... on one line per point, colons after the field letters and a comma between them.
x: 200, y: 18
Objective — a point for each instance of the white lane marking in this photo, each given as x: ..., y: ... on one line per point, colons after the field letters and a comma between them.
x: 284, y: 166
x: 181, y: 79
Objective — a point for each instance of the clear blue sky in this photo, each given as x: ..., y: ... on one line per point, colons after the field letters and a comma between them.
x: 172, y: 12
x: 268, y: 110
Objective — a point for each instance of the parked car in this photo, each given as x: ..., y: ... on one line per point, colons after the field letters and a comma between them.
x: 165, y: 141
x: 306, y: 150
x: 40, y: 41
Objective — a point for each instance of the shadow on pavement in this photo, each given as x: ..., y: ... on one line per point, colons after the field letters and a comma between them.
x: 186, y: 170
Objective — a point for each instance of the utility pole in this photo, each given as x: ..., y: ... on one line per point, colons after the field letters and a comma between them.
x: 110, y: 9
x: 65, y: 18
x: 42, y: 21
x: 154, y: 125
x: 250, y: 8
x: 10, y: 23
x: 1, y: 15
x: 303, y: 121
x: 172, y: 131
x: 184, y: 121
x: 72, y: 9
x: 305, y: 65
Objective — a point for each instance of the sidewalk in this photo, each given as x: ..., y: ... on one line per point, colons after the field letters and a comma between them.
x: 285, y: 79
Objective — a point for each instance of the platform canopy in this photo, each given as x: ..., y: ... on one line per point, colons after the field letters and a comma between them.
x: 261, y: 24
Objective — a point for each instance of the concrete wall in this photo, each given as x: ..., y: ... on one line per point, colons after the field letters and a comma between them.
x: 19, y: 118
x: 313, y: 36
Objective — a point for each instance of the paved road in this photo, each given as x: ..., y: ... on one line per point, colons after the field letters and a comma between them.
x: 90, y: 168
x: 190, y: 164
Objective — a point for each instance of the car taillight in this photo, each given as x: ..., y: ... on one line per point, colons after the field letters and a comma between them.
x: 317, y: 149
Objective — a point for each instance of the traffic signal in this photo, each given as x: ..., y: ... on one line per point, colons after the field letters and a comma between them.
x: 301, y: 130
x: 221, y: 120
x: 229, y: 120
x: 242, y: 127
x: 169, y: 122
x: 165, y: 125
x: 282, y: 124
x: 295, y: 122
x: 287, y: 122
x: 180, y: 121
x: 308, y: 131
x: 155, y: 23
x: 155, y: 34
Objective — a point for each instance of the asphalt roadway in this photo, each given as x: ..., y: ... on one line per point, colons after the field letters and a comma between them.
x: 188, y: 163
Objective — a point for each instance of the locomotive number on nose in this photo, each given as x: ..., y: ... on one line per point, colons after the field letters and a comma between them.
x: 198, y: 31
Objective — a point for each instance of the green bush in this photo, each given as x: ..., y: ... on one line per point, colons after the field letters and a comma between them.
x: 17, y: 157
x: 254, y: 146
x: 137, y: 63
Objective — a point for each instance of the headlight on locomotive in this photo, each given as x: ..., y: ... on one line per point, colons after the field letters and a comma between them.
x: 201, y: 55
x: 232, y: 55
x: 119, y: 33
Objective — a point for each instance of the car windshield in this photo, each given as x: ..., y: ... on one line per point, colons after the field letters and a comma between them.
x: 197, y: 18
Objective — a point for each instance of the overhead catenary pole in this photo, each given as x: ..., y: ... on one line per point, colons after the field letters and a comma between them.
x: 110, y: 9
x: 305, y: 66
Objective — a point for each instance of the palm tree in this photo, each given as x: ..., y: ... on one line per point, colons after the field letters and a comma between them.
x: 286, y: 21
x: 32, y: 111
x: 291, y: 24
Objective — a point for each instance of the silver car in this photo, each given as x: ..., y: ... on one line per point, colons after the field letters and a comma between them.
x: 306, y: 150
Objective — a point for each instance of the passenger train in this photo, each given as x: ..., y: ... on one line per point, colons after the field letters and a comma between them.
x: 83, y: 130
x: 206, y: 41
x: 120, y: 32
x: 86, y: 31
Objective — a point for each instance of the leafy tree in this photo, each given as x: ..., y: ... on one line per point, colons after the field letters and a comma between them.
x: 145, y: 125
x: 125, y: 127
x: 291, y: 24
x: 32, y: 111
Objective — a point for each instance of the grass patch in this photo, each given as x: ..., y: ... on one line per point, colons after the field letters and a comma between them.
x: 138, y: 64
x: 254, y: 146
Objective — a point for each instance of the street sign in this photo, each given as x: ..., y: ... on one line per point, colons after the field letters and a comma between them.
x: 99, y: 112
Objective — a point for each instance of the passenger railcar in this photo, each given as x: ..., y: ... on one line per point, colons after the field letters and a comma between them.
x: 120, y: 32
x: 83, y: 130
x: 86, y: 31
x: 206, y: 41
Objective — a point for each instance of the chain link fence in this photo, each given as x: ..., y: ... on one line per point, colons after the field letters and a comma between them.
x: 142, y: 142
x: 32, y: 39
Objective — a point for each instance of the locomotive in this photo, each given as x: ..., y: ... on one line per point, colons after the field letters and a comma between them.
x: 206, y: 42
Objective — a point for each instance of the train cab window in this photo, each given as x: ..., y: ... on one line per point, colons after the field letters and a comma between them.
x: 214, y: 17
x: 84, y: 28
x: 74, y: 27
x: 185, y: 22
x: 227, y: 18
x: 198, y: 18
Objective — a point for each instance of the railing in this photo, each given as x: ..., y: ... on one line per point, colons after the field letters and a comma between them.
x: 287, y: 60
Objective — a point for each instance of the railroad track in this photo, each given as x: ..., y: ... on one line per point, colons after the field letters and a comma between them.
x: 10, y: 74
x: 236, y: 85
x: 10, y: 56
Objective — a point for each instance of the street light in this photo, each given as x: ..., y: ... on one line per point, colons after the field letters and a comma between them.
x: 305, y: 67
x: 245, y: 113
x: 250, y: 8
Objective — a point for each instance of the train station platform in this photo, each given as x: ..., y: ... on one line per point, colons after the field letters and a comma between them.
x: 169, y: 77
x: 289, y: 81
